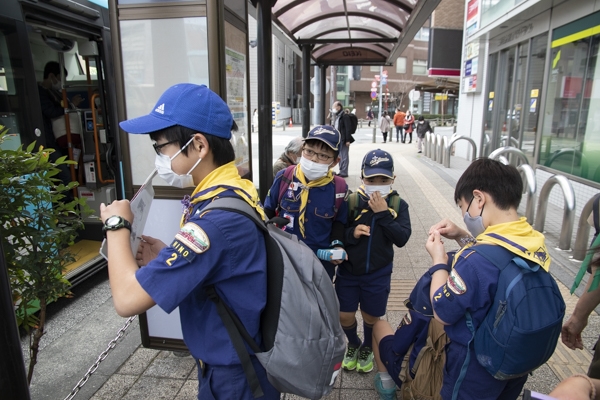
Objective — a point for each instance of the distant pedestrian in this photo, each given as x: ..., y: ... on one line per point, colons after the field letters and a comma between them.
x: 385, y: 125
x: 399, y: 124
x: 422, y: 128
x: 409, y: 123
x: 290, y: 156
x: 341, y: 122
x: 370, y: 115
x: 254, y: 120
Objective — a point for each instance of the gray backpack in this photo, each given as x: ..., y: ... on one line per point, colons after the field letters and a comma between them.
x: 303, y: 341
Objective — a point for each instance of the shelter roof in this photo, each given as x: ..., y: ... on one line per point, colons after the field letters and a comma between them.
x: 353, y: 32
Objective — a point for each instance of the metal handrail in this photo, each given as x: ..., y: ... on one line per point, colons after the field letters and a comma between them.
x: 566, y: 231
x: 528, y: 175
x: 508, y: 150
x: 583, y: 230
x: 448, y: 148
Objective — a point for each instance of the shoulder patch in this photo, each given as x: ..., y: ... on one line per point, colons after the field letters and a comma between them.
x: 193, y: 237
x: 455, y: 283
x: 407, y: 320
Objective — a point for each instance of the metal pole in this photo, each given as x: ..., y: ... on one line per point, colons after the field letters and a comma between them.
x: 13, y: 380
x: 264, y: 76
x: 306, y: 50
x: 380, y: 113
x: 323, y: 90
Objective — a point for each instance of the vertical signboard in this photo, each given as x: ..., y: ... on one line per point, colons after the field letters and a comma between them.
x: 471, y: 68
x: 473, y: 20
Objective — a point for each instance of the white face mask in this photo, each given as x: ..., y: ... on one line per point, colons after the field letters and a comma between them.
x: 164, y: 170
x: 383, y: 190
x: 56, y: 85
x: 313, y: 170
x: 421, y: 122
x: 334, y: 111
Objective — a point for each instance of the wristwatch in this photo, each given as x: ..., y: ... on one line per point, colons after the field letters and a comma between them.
x: 336, y: 243
x: 115, y: 223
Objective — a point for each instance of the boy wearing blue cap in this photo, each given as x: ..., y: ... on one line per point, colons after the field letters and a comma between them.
x: 191, y: 127
x: 378, y: 220
x: 311, y: 197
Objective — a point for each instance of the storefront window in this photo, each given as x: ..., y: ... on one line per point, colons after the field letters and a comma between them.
x: 533, y: 94
x: 571, y: 123
x: 489, y: 115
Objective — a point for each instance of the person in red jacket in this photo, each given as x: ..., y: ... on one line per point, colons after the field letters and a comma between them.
x: 409, y: 123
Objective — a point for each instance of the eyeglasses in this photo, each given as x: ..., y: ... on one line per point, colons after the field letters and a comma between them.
x: 310, y: 154
x: 158, y: 147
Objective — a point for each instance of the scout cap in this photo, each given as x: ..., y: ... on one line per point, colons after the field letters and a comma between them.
x: 193, y: 106
x: 326, y: 134
x: 378, y: 163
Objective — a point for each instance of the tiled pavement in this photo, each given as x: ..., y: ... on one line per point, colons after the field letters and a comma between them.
x: 133, y: 372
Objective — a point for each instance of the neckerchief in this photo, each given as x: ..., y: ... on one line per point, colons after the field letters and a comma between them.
x: 584, y: 266
x: 519, y: 238
x: 226, y: 177
x: 363, y: 196
x: 304, y: 188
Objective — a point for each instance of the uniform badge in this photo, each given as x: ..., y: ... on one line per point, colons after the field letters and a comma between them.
x: 193, y: 237
x: 455, y: 283
x: 407, y: 320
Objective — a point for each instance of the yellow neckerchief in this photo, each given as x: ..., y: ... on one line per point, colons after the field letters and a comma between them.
x: 519, y: 238
x: 363, y: 195
x: 304, y: 188
x: 226, y: 177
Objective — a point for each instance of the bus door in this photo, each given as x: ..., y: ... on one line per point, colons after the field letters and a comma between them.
x: 85, y: 130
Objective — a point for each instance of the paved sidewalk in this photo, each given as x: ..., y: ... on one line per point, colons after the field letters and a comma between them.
x: 81, y: 329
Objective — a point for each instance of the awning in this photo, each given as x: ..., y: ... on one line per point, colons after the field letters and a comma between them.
x: 353, y: 32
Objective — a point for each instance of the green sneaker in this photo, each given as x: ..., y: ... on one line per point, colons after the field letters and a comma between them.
x: 384, y: 394
x: 365, y: 360
x: 350, y: 358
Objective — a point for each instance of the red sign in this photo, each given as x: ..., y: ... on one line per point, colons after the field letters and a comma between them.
x: 472, y: 9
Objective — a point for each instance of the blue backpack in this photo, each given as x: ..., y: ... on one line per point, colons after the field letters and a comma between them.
x: 521, y: 328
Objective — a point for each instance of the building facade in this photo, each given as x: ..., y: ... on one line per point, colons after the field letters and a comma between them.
x: 528, y: 79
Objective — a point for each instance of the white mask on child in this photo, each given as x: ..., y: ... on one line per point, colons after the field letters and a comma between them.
x: 383, y: 190
x: 165, y: 171
x: 313, y: 170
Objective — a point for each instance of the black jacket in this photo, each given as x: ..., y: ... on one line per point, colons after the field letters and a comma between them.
x: 370, y: 253
x: 423, y: 128
x: 344, y: 127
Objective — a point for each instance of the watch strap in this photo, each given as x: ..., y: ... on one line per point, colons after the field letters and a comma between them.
x: 336, y: 243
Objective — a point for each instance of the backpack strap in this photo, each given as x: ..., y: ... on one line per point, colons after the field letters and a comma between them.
x: 394, y: 202
x: 596, y: 215
x: 235, y: 328
x: 286, y: 178
x: 353, y: 210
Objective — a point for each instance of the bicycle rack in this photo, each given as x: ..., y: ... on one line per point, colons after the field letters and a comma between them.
x: 428, y: 138
x: 435, y: 148
x: 448, y: 148
x: 566, y: 231
x: 440, y: 149
x: 528, y: 175
x: 583, y: 231
x: 508, y: 150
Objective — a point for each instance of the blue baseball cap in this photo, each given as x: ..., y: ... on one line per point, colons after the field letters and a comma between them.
x: 378, y: 162
x: 419, y: 300
x: 193, y: 106
x: 326, y: 134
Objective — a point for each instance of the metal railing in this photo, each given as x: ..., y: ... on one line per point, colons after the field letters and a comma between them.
x: 583, y: 230
x: 427, y: 147
x: 495, y: 155
x: 564, y: 242
x: 529, y: 183
x: 448, y: 148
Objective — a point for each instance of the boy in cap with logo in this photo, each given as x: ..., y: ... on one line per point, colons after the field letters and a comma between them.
x: 311, y: 197
x: 378, y: 220
x: 191, y: 127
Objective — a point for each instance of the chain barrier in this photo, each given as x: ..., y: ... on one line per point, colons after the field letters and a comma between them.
x: 101, y: 357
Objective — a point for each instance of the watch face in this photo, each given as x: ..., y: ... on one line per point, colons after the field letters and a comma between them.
x: 113, y: 221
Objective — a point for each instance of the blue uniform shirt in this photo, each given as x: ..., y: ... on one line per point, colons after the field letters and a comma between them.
x: 214, y: 248
x: 471, y: 286
x: 320, y: 211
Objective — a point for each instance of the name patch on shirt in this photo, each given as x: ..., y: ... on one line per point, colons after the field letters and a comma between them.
x: 193, y: 237
x: 455, y: 283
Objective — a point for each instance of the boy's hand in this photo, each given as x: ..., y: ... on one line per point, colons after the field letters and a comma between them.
x: 435, y: 248
x: 448, y: 229
x: 571, y: 332
x: 148, y: 250
x: 377, y: 203
x: 122, y: 208
x: 361, y: 230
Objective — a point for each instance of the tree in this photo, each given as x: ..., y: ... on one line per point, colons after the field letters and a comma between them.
x: 399, y: 90
x: 36, y: 227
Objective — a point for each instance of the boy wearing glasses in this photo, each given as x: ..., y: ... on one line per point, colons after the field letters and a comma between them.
x: 192, y: 126
x: 311, y: 197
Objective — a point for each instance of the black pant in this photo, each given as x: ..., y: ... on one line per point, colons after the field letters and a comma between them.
x: 384, y: 136
x: 399, y: 133
x: 406, y: 135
